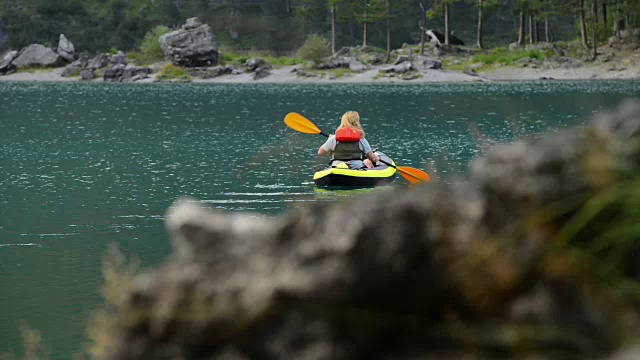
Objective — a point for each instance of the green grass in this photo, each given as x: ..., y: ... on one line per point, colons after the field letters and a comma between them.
x: 341, y: 72
x: 172, y: 72
x: 506, y: 57
x: 239, y: 58
x: 33, y: 69
x: 284, y: 61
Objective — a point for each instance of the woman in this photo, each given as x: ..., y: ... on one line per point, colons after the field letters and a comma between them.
x: 349, y: 145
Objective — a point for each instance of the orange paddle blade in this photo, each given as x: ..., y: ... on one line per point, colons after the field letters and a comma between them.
x: 413, y: 175
x: 300, y: 123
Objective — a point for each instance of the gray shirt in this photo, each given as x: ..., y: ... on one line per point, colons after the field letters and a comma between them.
x: 330, y: 145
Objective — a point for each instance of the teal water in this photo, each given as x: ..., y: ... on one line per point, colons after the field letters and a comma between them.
x: 84, y: 165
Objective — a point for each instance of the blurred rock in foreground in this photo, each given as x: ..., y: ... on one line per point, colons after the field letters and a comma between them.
x: 534, y: 256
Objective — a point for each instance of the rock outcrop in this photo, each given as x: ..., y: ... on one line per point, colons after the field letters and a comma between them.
x: 359, y: 57
x: 6, y: 63
x: 87, y: 74
x: 37, y: 55
x: 99, y: 61
x: 126, y: 73
x: 119, y: 58
x: 66, y: 49
x: 253, y: 64
x: 209, y: 73
x: 511, y: 262
x: 192, y: 46
x: 75, y: 67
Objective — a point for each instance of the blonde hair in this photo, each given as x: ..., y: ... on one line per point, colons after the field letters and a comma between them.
x: 351, y: 119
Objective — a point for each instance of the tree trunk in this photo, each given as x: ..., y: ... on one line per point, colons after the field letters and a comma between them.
x: 547, y: 29
x: 480, y: 19
x: 530, y: 29
x: 333, y: 28
x: 365, y: 30
x: 388, y: 16
x: 289, y: 7
x: 605, y: 21
x: 422, y: 30
x: 446, y: 23
x: 422, y: 24
x: 521, y: 29
x: 583, y: 26
x: 627, y: 16
x: 616, y: 20
x: 594, y: 17
x: 536, y: 31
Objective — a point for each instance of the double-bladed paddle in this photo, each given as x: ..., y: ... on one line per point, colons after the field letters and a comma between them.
x: 301, y: 124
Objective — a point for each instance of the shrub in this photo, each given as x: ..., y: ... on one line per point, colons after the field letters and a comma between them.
x: 171, y: 72
x: 283, y: 61
x: 150, y: 50
x: 315, y: 48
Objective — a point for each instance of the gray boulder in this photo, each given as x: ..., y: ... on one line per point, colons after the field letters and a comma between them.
x: 87, y: 74
x: 401, y: 58
x: 132, y: 71
x: 336, y: 62
x: 403, y: 68
x: 470, y: 71
x: 66, y: 49
x: 357, y: 66
x: 75, y: 67
x: 387, y: 69
x: 37, y: 55
x: 429, y: 63
x: 254, y: 64
x: 114, y: 74
x: 209, y: 73
x: 190, y: 46
x: 6, y: 63
x: 192, y: 23
x: 99, y: 61
x: 119, y: 58
x: 625, y: 34
x: 125, y: 73
x: 261, y: 73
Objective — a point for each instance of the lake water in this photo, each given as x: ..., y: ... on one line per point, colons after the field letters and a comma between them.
x: 84, y: 165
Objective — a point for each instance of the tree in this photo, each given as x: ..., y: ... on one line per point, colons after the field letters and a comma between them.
x: 367, y: 12
x: 521, y: 7
x: 332, y: 9
x: 483, y: 6
x: 583, y: 25
x: 594, y: 19
x: 442, y: 8
x: 422, y: 25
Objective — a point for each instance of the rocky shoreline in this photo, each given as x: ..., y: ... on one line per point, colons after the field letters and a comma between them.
x: 191, y: 55
x: 291, y: 75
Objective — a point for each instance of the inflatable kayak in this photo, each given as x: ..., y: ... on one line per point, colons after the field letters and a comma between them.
x: 339, y: 175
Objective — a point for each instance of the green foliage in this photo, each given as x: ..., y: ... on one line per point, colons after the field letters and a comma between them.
x: 283, y: 60
x: 234, y: 58
x: 271, y: 25
x: 150, y: 50
x: 505, y: 57
x: 315, y: 48
x: 172, y: 72
x: 117, y: 273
